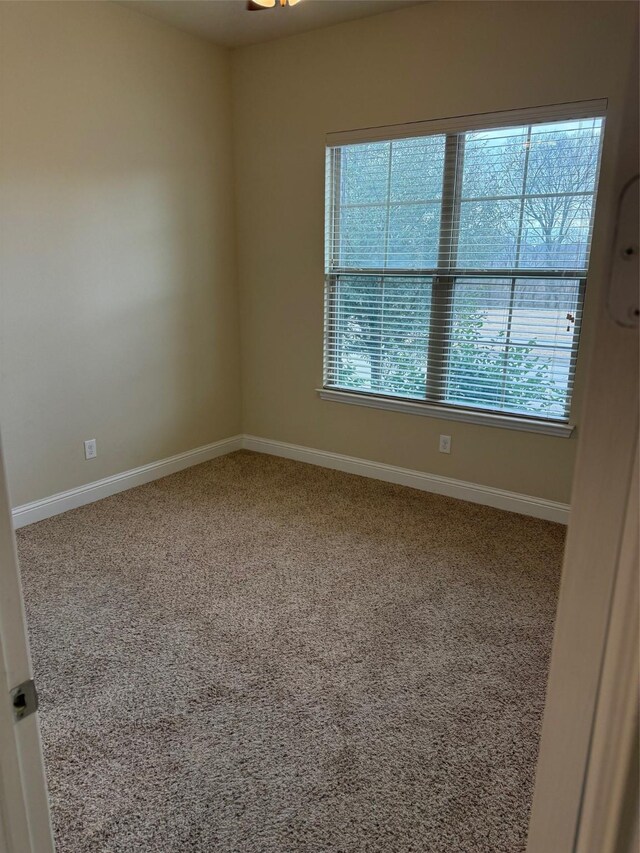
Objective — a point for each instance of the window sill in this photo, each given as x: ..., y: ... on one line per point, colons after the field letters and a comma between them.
x: 468, y: 416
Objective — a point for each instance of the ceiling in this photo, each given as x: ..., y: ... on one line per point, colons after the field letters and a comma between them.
x: 228, y: 23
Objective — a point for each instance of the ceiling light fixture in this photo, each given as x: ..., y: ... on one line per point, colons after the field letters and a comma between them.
x: 257, y: 5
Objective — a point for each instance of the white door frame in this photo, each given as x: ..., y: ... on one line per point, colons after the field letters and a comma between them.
x: 583, y: 751
x: 610, y: 803
x: 25, y: 825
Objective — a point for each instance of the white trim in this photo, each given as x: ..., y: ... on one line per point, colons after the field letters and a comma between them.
x: 445, y: 413
x: 72, y: 498
x: 609, y: 800
x: 473, y: 492
x: 478, y: 121
x: 589, y: 623
x: 24, y: 805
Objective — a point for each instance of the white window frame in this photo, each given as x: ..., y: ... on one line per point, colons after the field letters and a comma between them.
x: 445, y: 273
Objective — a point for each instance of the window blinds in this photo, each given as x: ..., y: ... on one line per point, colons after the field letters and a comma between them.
x: 456, y: 263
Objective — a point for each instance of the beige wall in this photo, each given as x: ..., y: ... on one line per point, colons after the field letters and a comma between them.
x: 118, y: 316
x: 118, y: 292
x: 437, y: 60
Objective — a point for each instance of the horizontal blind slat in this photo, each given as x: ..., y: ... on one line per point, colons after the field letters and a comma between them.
x: 515, y: 200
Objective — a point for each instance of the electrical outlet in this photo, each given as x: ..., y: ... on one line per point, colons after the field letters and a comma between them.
x: 445, y: 444
x: 90, y: 449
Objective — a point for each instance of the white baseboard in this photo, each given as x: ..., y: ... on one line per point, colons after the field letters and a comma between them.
x: 487, y: 495
x: 63, y: 501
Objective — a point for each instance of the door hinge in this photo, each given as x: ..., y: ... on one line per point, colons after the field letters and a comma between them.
x: 24, y: 699
x: 623, y: 283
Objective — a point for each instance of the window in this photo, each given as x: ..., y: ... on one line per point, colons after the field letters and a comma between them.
x: 456, y: 260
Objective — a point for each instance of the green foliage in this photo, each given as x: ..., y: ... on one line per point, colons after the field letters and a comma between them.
x: 382, y: 346
x: 381, y: 327
x: 480, y: 365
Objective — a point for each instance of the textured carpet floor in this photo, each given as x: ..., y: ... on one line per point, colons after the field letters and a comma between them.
x: 260, y: 656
